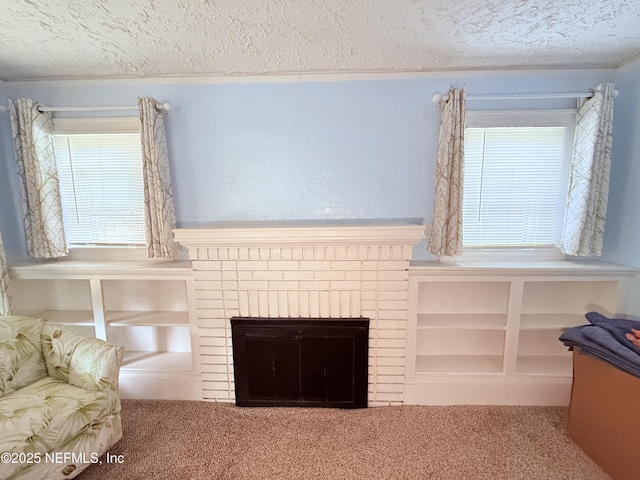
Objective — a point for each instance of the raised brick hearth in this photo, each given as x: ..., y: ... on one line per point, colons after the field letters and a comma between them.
x: 324, y: 271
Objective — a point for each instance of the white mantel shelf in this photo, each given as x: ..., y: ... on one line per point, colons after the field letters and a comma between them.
x: 301, y: 234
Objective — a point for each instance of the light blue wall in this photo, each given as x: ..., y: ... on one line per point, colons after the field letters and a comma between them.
x: 360, y: 149
x: 622, y: 233
x: 10, y: 216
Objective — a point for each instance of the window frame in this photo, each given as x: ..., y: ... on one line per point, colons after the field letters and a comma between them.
x: 101, y: 125
x: 521, y: 118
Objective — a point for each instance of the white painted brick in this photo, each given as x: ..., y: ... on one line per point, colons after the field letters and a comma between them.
x: 263, y: 303
x: 319, y: 253
x: 391, y: 325
x: 210, y: 324
x: 303, y: 303
x: 217, y: 351
x: 325, y: 304
x: 283, y: 264
x: 334, y: 300
x: 393, y: 265
x: 206, y: 304
x: 393, y: 274
x: 370, y: 285
x: 231, y: 305
x: 252, y: 285
x: 393, y: 370
x: 393, y: 285
x: 390, y: 361
x: 210, y: 360
x: 314, y: 284
x: 207, y: 294
x: 352, y: 275
x: 292, y: 300
x: 215, y: 386
x: 390, y: 379
x: 296, y: 253
x: 283, y: 303
x: 391, y: 333
x: 215, y: 340
x: 393, y: 295
x: 390, y: 352
x: 245, y: 274
x: 252, y: 265
x: 392, y: 315
x: 210, y: 313
x: 249, y: 304
x: 213, y: 368
x: 228, y: 265
x: 264, y: 253
x: 209, y: 284
x: 215, y: 395
x: 314, y: 303
x: 284, y: 284
x: 314, y: 265
x: 329, y: 275
x: 391, y: 343
x: 389, y: 388
x: 267, y: 275
x: 229, y: 275
x: 391, y: 397
x: 230, y: 284
x: 298, y: 274
x: 206, y: 265
x: 307, y: 253
x: 392, y: 305
x: 230, y: 295
x: 273, y: 303
x: 346, y: 265
x: 215, y: 377
x: 345, y: 284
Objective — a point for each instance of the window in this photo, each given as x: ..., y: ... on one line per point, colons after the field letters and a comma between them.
x: 100, y: 174
x: 516, y: 175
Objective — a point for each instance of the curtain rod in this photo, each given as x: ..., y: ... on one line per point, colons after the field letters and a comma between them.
x: 524, y: 96
x: 43, y: 108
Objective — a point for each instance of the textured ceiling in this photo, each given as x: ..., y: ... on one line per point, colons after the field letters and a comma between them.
x: 42, y: 39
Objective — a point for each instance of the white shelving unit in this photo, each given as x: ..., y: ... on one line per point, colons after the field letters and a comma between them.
x: 146, y: 306
x: 488, y: 334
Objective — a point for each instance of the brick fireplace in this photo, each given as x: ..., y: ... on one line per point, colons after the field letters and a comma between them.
x: 302, y: 270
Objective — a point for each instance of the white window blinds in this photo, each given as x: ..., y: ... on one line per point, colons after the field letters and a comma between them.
x: 101, y: 188
x: 514, y: 186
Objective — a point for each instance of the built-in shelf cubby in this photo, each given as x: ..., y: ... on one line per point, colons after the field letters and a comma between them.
x: 147, y: 307
x: 489, y: 334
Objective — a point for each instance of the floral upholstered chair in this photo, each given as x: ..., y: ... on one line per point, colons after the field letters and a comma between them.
x: 59, y: 400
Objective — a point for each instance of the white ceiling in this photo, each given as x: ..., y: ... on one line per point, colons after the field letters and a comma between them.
x: 62, y: 39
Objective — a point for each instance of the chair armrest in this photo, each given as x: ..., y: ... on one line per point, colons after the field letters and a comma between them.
x: 79, y: 360
x: 95, y: 365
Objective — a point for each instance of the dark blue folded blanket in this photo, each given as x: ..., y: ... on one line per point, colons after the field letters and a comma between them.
x: 605, y: 338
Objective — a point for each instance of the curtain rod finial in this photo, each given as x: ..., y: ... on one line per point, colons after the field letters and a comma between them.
x: 436, y: 97
x: 167, y: 106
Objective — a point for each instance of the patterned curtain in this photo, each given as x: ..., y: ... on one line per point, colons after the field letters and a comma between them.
x: 5, y: 299
x: 160, y: 219
x: 41, y: 207
x: 586, y: 210
x: 446, y: 227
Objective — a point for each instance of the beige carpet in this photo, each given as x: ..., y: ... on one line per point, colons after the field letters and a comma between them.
x: 202, y: 440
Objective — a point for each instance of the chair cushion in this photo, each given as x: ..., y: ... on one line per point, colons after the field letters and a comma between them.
x: 46, y: 414
x: 21, y: 359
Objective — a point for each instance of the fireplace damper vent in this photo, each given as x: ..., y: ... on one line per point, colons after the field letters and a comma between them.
x: 300, y: 362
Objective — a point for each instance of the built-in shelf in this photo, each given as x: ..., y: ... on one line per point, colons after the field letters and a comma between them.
x: 147, y: 307
x: 459, y: 364
x: 462, y: 320
x: 147, y: 319
x: 554, y: 365
x: 491, y: 331
x: 158, y: 361
x: 78, y: 318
